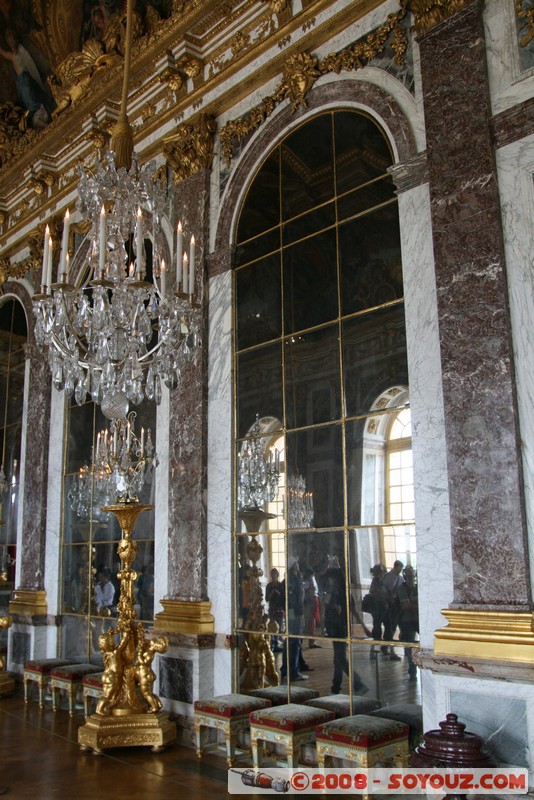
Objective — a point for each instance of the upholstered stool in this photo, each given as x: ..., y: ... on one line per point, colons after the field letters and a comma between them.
x: 367, y: 740
x: 292, y: 725
x: 340, y: 704
x: 91, y: 687
x: 411, y: 714
x: 38, y: 671
x: 278, y: 694
x: 228, y: 713
x: 69, y: 679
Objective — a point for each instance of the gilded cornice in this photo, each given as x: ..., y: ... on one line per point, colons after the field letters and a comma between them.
x: 526, y: 21
x: 302, y: 70
x: 428, y: 13
x: 190, y: 149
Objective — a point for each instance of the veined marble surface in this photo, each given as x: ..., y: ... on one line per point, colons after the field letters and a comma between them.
x: 220, y: 452
x: 432, y: 523
x: 515, y: 165
x: 508, y: 84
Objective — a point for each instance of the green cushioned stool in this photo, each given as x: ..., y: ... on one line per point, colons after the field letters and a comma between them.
x: 278, y: 694
x: 411, y: 714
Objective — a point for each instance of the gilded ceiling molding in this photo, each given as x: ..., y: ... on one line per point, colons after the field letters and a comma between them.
x: 41, y: 183
x: 526, y: 16
x: 302, y: 70
x: 33, y: 261
x: 190, y: 149
x: 13, y: 125
x: 276, y: 6
x: 428, y: 13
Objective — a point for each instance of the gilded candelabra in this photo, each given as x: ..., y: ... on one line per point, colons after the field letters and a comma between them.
x: 256, y: 660
x: 129, y: 712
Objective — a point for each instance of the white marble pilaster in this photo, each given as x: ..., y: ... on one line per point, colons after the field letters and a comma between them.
x: 220, y: 453
x: 434, y: 558
x: 515, y: 170
x: 54, y: 502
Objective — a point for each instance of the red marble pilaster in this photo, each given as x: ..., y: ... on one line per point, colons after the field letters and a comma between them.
x: 490, y: 560
x: 188, y: 425
x: 32, y: 536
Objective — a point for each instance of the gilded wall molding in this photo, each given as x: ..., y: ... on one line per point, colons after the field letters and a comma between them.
x: 428, y: 13
x: 190, y: 149
x: 33, y: 261
x: 492, y: 635
x: 302, y: 70
x: 526, y: 24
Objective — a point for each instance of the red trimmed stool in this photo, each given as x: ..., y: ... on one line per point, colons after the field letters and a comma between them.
x: 291, y: 725
x: 69, y: 679
x: 411, y: 714
x: 340, y: 704
x: 278, y: 694
x: 228, y: 713
x: 368, y: 741
x: 38, y: 671
x: 91, y: 687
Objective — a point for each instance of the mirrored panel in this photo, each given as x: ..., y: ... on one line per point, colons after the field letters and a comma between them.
x: 315, y: 461
x: 75, y: 639
x: 257, y: 248
x: 262, y: 206
x: 370, y: 259
x: 259, y: 386
x: 306, y: 166
x: 310, y: 282
x: 312, y: 377
x: 361, y: 150
x: 309, y: 224
x: 259, y: 307
x: 374, y: 357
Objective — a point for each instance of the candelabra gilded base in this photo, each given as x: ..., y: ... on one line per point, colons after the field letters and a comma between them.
x: 7, y: 683
x: 129, y: 713
x: 256, y: 660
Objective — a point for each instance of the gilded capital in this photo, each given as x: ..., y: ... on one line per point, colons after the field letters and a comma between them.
x: 428, y: 13
x: 190, y: 149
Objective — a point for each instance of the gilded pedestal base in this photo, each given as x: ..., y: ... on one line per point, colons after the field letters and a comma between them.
x: 7, y: 683
x: 185, y: 616
x: 497, y: 635
x: 134, y: 730
x: 28, y: 601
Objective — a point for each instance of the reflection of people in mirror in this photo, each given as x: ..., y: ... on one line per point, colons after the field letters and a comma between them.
x: 30, y: 88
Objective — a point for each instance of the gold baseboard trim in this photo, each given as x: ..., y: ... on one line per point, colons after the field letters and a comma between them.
x: 494, y: 635
x: 7, y: 684
x: 28, y: 601
x: 136, y: 730
x: 185, y: 616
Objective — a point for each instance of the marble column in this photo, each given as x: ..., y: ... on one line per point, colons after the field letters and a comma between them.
x: 186, y: 607
x: 28, y: 606
x: 490, y: 559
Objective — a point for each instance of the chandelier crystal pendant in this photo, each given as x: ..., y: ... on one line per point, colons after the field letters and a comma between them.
x: 131, y: 325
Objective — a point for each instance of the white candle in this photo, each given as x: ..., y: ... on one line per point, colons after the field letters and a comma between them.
x: 192, y: 266
x: 102, y: 262
x: 50, y: 260
x: 98, y: 445
x: 64, y: 244
x: 163, y: 274
x: 142, y: 442
x: 67, y: 261
x: 139, y: 241
x: 44, y: 275
x: 186, y: 275
x: 115, y: 442
x: 128, y: 437
x: 179, y: 255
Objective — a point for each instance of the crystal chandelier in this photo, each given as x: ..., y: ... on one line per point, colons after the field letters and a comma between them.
x: 257, y: 476
x: 299, y: 503
x: 126, y: 321
x: 122, y: 463
x: 130, y: 325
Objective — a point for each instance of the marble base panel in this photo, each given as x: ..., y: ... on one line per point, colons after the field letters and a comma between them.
x: 29, y: 639
x: 501, y: 712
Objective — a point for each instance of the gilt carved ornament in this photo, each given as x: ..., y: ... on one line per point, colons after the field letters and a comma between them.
x: 190, y: 149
